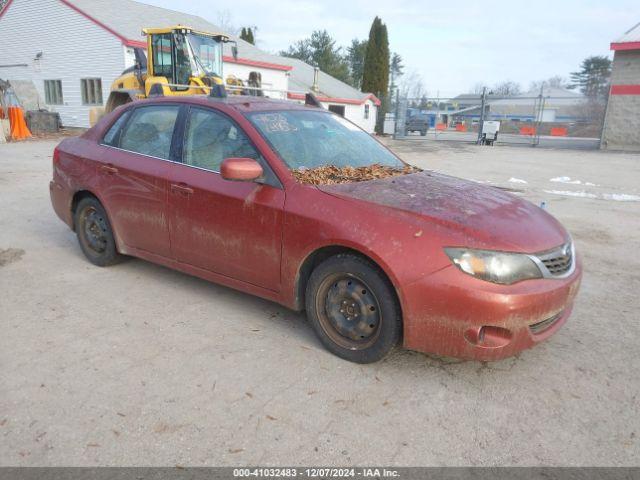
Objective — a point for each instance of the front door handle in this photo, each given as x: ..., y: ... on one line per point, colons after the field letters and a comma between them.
x: 108, y: 168
x: 181, y: 188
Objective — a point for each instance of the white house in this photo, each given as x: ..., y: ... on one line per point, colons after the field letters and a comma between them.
x: 333, y: 94
x: 72, y: 51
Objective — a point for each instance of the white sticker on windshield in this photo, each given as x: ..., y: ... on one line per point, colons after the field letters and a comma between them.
x: 274, y: 122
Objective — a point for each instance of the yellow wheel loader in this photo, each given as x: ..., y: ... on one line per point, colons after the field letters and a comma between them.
x: 178, y: 61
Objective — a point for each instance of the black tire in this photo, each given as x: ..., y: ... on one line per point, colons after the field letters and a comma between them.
x: 353, y: 309
x: 95, y: 234
x: 423, y: 132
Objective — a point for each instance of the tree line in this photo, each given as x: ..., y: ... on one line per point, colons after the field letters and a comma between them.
x: 368, y: 65
x: 592, y: 80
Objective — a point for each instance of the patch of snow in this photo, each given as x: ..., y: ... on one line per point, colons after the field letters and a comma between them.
x: 565, y: 180
x: 572, y: 182
x: 517, y: 180
x: 569, y: 193
x: 621, y: 197
x: 618, y: 197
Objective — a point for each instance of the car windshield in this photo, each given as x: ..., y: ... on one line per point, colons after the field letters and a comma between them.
x: 307, y: 139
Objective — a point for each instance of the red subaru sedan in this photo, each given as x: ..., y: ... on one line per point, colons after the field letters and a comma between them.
x: 212, y: 187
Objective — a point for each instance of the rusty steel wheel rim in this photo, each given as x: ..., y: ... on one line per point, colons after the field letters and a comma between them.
x: 348, y: 311
x: 94, y: 230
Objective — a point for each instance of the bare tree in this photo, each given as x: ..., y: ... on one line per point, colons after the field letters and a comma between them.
x: 411, y: 86
x: 225, y: 23
x: 507, y: 88
x: 477, y: 88
x: 553, y: 82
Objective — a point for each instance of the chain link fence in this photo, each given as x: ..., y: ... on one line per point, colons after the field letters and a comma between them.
x: 553, y: 117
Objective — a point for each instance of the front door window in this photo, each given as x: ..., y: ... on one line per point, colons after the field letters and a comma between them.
x: 211, y: 137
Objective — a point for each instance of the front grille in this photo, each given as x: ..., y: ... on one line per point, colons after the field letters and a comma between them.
x: 540, y: 327
x: 557, y: 261
x: 558, y: 265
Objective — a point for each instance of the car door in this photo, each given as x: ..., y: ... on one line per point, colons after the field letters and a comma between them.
x: 133, y: 176
x: 231, y: 228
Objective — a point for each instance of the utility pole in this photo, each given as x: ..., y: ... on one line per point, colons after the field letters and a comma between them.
x: 538, y: 122
x: 395, y: 116
x: 482, y: 106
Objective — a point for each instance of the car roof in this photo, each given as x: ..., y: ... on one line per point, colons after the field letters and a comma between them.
x: 241, y: 103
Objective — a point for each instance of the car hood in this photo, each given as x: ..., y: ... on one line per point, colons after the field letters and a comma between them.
x: 487, y: 216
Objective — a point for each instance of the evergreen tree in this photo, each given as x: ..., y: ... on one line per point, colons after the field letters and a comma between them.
x: 320, y: 51
x: 396, y: 69
x: 593, y: 77
x: 375, y: 77
x: 246, y: 34
x: 355, y: 56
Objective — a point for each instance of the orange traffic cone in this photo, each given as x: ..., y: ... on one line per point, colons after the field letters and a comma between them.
x: 19, y: 130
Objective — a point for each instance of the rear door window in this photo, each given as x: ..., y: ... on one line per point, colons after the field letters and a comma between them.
x: 150, y: 131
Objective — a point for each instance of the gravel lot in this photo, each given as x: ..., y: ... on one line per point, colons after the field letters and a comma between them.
x: 138, y: 364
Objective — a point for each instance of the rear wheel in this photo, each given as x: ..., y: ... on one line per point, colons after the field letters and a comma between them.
x: 353, y: 309
x: 423, y: 132
x: 95, y: 234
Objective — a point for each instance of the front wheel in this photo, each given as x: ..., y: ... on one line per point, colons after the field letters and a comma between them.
x: 353, y: 309
x: 95, y: 234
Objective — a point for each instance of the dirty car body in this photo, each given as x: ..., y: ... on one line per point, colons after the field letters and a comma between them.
x: 425, y: 234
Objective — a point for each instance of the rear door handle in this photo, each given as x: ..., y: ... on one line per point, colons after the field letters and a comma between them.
x: 181, y: 188
x: 110, y: 169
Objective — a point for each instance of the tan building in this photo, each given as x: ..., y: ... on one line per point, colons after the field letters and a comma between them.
x: 622, y: 122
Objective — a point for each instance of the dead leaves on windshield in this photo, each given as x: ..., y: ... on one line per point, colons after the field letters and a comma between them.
x: 331, y: 175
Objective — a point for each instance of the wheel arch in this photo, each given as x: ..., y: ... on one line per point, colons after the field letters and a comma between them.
x: 317, y: 256
x: 76, y: 199
x: 85, y: 193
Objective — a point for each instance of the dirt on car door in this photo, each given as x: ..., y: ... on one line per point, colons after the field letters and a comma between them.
x: 133, y: 178
x: 230, y: 228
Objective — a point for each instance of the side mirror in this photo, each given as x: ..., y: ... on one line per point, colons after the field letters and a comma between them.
x: 234, y: 52
x: 240, y: 169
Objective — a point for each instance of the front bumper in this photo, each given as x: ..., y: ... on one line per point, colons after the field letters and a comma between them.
x: 453, y: 314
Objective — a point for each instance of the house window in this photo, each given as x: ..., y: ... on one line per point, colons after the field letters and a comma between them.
x: 339, y: 109
x: 91, y: 91
x: 366, y: 111
x: 53, y: 92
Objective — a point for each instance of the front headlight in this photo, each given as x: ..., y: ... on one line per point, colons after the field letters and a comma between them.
x: 496, y: 267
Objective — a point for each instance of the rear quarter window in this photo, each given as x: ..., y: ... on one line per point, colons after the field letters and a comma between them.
x: 112, y: 138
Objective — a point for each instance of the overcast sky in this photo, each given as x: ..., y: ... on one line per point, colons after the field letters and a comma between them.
x: 452, y: 45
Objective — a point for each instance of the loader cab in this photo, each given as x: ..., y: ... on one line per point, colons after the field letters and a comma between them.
x: 181, y: 54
